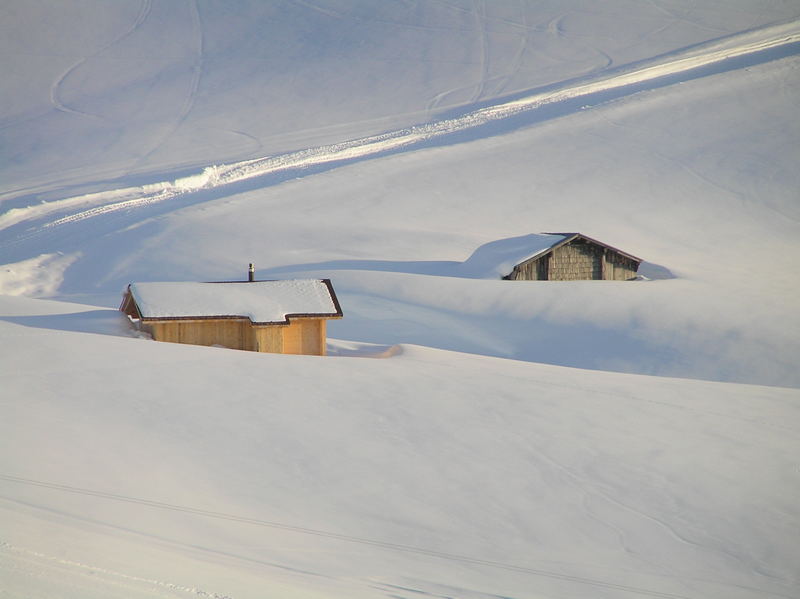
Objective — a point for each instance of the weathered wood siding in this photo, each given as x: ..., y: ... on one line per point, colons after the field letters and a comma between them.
x: 576, y: 261
x: 530, y: 270
x: 618, y: 268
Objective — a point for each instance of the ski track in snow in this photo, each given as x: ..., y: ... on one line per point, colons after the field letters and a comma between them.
x: 685, y: 17
x: 218, y: 176
x: 555, y: 27
x: 320, y: 9
x: 480, y: 17
x: 194, y: 84
x: 516, y: 62
x: 483, y: 36
x: 591, y: 582
x: 55, y: 91
x: 39, y: 562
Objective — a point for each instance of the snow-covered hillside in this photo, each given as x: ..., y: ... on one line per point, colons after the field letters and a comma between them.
x: 94, y: 91
x: 139, y: 465
x: 516, y: 439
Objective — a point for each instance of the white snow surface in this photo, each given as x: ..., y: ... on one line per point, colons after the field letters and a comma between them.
x: 465, y: 437
x: 497, y: 259
x: 134, y: 468
x: 260, y: 301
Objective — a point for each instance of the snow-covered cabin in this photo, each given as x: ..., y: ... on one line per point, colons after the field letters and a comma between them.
x: 287, y: 317
x: 566, y: 257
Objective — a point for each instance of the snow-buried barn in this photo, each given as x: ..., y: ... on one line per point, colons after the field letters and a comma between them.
x: 566, y: 257
x: 286, y: 317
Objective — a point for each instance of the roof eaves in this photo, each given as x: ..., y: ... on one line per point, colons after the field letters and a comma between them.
x: 573, y: 236
x: 240, y: 317
x: 556, y: 244
x: 327, y: 282
x: 334, y: 299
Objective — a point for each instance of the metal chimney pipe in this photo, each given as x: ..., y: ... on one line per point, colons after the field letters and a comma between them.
x: 251, y: 273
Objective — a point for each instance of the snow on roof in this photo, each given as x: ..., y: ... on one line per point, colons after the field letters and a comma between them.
x: 260, y: 301
x: 498, y: 258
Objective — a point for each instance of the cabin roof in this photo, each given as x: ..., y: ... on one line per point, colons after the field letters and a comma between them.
x: 263, y: 302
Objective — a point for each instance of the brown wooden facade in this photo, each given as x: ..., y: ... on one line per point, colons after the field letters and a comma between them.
x: 577, y: 258
x: 305, y: 336
x: 299, y: 334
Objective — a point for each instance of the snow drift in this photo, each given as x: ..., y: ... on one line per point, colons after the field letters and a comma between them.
x: 390, y: 147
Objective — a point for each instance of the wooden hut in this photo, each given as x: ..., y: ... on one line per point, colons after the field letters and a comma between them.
x: 287, y: 317
x: 571, y: 257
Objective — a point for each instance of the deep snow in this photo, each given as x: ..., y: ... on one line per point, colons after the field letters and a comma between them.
x: 260, y: 301
x: 395, y: 148
x: 152, y: 87
x: 428, y: 472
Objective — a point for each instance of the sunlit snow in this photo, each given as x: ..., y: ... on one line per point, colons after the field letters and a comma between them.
x: 465, y: 437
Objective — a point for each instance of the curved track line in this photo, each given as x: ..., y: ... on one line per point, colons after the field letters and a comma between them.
x: 480, y: 18
x: 602, y: 491
x: 106, y: 576
x: 478, y: 13
x: 554, y: 26
x: 386, y: 545
x: 516, y: 62
x: 320, y: 9
x: 217, y: 176
x: 194, y: 85
x: 55, y: 100
x: 257, y: 142
x: 55, y: 96
x: 685, y: 17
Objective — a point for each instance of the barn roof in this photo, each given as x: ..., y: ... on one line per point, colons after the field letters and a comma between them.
x: 263, y: 302
x: 498, y: 258
x: 568, y: 237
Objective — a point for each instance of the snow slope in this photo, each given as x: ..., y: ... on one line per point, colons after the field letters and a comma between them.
x: 760, y: 45
x: 705, y: 197
x: 499, y: 449
x: 248, y: 475
x: 152, y: 87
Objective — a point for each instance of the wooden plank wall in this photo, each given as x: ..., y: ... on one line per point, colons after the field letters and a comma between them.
x: 305, y: 336
x: 618, y: 268
x: 576, y: 262
x: 531, y: 270
x: 233, y: 333
x: 268, y: 338
x: 527, y: 271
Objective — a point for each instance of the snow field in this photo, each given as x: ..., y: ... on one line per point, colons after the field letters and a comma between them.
x: 427, y: 449
x: 445, y: 448
x: 219, y: 175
